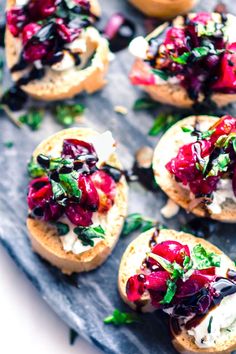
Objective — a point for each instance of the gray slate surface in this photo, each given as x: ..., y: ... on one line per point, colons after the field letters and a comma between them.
x: 83, y: 301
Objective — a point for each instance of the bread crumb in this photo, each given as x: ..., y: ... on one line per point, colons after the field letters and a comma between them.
x: 170, y: 209
x: 121, y: 110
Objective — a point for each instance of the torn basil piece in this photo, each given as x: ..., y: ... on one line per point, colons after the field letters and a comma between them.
x: 62, y: 228
x: 87, y: 234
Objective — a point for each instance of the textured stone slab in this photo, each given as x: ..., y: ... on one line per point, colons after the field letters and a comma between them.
x: 83, y: 301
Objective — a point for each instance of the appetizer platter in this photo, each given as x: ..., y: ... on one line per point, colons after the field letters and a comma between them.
x: 99, y: 152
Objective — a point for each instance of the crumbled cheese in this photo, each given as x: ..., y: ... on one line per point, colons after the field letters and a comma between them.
x: 222, y: 318
x: 104, y: 145
x: 21, y: 2
x: 66, y: 63
x: 230, y: 33
x: 77, y: 46
x: 170, y: 209
x: 138, y: 47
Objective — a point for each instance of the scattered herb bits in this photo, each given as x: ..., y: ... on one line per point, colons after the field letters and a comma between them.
x: 144, y: 103
x: 135, y: 222
x: 62, y: 228
x: 162, y: 123
x: 66, y: 114
x: 119, y: 318
x: 33, y: 119
x: 88, y: 234
x: 8, y: 144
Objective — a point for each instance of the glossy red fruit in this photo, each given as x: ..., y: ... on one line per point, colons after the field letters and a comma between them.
x: 157, y: 281
x: 135, y: 288
x: 39, y: 9
x: 16, y: 19
x: 89, y: 198
x: 176, y: 38
x: 40, y: 199
x: 223, y: 126
x: 29, y: 31
x: 202, y: 17
x: 106, y: 188
x: 68, y: 34
x: 40, y: 190
x: 72, y: 148
x: 227, y: 77
x: 193, y: 285
x: 173, y: 251
x: 34, y: 51
x: 78, y: 215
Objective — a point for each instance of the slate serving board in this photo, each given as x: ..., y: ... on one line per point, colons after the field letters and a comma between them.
x: 82, y: 301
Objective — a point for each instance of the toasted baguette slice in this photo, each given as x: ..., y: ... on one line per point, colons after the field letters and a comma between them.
x: 163, y: 9
x: 172, y: 93
x: 130, y: 265
x: 166, y: 149
x: 44, y: 237
x: 58, y: 85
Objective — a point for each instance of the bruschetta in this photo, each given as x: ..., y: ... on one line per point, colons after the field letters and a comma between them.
x: 189, y: 279
x: 52, y: 48
x: 194, y: 164
x: 188, y: 61
x: 77, y: 199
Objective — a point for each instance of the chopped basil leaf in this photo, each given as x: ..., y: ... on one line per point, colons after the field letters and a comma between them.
x: 57, y: 163
x: 160, y: 73
x: 62, y: 228
x: 220, y: 164
x: 162, y: 123
x: 33, y: 119
x: 143, y: 103
x: 88, y: 234
x: 234, y: 144
x: 209, y: 325
x: 170, y: 292
x: 206, y: 134
x: 119, y: 318
x: 203, y: 259
x: 73, y: 335
x: 187, y: 129
x: 34, y: 169
x: 8, y: 144
x: 182, y: 59
x: 58, y: 192
x: 69, y: 183
x: 136, y: 221
x: 66, y: 114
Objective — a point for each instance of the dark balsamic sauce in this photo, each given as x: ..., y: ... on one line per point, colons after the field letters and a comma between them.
x: 223, y: 287
x: 114, y: 172
x: 231, y: 274
x: 15, y: 99
x: 2, y: 34
x: 123, y: 36
x: 201, y: 227
x: 145, y: 176
x: 34, y: 74
x: 152, y: 243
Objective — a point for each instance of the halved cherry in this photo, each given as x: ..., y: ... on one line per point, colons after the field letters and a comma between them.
x: 29, y: 31
x: 72, y: 148
x: 193, y: 285
x: 89, y: 198
x: 173, y: 251
x: 78, y: 215
x: 106, y: 188
x: 141, y: 74
x: 135, y: 288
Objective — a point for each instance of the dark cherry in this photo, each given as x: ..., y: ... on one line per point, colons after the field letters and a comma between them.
x: 14, y: 98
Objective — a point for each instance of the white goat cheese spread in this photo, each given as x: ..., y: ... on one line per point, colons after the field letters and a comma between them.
x: 223, y: 317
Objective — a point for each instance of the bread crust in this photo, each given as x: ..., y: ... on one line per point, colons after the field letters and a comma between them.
x: 173, y: 139
x: 182, y: 342
x: 175, y: 94
x: 68, y: 83
x: 44, y: 238
x: 163, y: 9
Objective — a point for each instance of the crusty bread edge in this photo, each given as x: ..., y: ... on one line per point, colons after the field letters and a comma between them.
x: 163, y: 9
x: 167, y: 183
x: 39, y: 231
x: 142, y: 241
